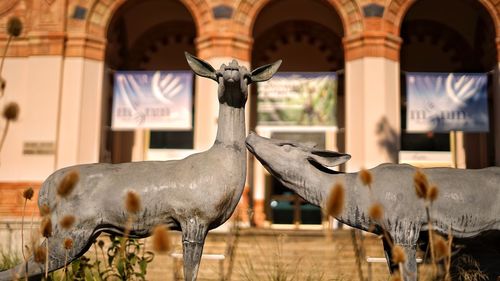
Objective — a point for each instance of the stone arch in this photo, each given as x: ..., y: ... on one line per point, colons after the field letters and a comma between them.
x: 396, y: 10
x: 349, y: 12
x: 102, y: 11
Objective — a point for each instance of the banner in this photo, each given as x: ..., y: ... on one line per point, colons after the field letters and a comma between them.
x: 443, y: 102
x: 298, y: 99
x: 159, y: 100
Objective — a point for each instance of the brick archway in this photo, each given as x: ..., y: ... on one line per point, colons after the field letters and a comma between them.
x: 102, y: 11
x: 349, y: 12
x: 396, y: 10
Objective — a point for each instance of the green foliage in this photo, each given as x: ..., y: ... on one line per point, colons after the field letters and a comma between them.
x: 122, y: 259
x: 8, y: 260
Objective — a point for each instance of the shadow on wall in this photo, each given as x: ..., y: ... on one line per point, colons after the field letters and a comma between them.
x: 388, y: 139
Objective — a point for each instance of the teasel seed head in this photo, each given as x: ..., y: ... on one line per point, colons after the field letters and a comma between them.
x: 366, y: 177
x: 40, y: 254
x: 68, y: 243
x: 11, y: 111
x: 335, y: 202
x: 28, y: 193
x: 421, y: 184
x: 132, y: 202
x: 398, y: 254
x: 100, y: 243
x: 432, y: 193
x: 44, y: 210
x: 441, y: 249
x: 67, y: 221
x: 46, y: 227
x: 68, y: 183
x: 161, y: 239
x: 14, y: 26
x: 376, y: 211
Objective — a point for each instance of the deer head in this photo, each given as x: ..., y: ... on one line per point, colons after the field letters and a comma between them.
x: 233, y: 79
x: 283, y: 158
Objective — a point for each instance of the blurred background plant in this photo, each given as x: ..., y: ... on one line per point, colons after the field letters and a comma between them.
x: 11, y: 110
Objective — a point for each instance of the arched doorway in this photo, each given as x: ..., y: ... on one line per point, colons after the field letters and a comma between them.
x: 307, y: 36
x: 458, y: 42
x: 146, y: 35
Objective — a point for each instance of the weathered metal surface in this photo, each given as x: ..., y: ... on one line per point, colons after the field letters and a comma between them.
x: 192, y: 195
x: 468, y: 201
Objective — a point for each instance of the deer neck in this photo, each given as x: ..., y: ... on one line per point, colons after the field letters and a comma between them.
x: 316, y: 187
x: 231, y: 127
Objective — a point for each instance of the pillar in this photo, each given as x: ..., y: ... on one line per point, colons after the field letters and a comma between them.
x: 372, y: 97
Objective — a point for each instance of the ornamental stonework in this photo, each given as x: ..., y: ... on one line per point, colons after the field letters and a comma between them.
x: 6, y: 5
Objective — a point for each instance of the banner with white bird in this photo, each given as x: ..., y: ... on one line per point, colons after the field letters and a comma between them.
x: 159, y: 100
x: 444, y: 102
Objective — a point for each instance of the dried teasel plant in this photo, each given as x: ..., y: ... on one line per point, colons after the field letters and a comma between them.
x: 132, y: 202
x: 366, y: 177
x: 44, y: 210
x: 46, y: 231
x: 335, y: 201
x: 46, y: 227
x: 399, y: 258
x: 133, y: 206
x: 40, y: 254
x: 68, y: 183
x: 421, y: 184
x: 10, y: 113
x: 67, y: 221
x: 161, y: 239
x: 441, y: 249
x: 27, y: 195
x: 11, y: 110
x: 68, y: 245
x: 376, y: 211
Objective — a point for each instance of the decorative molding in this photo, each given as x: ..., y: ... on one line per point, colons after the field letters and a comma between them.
x: 373, y: 10
x: 7, y: 5
x: 219, y: 44
x: 372, y: 44
x: 11, y: 201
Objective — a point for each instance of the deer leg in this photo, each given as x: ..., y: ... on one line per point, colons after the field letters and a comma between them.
x: 193, y: 239
x: 410, y: 266
x: 405, y: 234
x: 388, y: 254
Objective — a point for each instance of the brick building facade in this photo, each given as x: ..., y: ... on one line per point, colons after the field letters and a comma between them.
x: 59, y: 72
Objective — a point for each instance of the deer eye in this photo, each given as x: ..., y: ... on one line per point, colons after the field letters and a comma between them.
x: 287, y: 146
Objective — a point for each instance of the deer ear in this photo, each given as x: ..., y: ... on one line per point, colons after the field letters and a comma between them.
x: 201, y: 67
x: 328, y: 158
x: 264, y: 72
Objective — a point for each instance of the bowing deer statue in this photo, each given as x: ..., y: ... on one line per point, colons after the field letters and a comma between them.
x: 468, y: 203
x: 192, y: 195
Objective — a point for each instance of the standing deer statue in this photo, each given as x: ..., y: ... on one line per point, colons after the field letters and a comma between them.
x: 192, y: 195
x: 469, y: 200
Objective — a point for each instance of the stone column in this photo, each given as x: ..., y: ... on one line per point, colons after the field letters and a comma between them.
x: 372, y: 97
x: 80, y: 125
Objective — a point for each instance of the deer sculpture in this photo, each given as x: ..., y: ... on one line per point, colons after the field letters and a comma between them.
x: 192, y: 195
x: 468, y: 202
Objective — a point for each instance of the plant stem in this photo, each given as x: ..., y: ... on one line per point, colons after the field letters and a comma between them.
x: 9, y: 39
x: 448, y: 259
x: 22, y: 241
x: 4, y: 134
x: 431, y: 241
x: 47, y: 260
x: 66, y: 265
